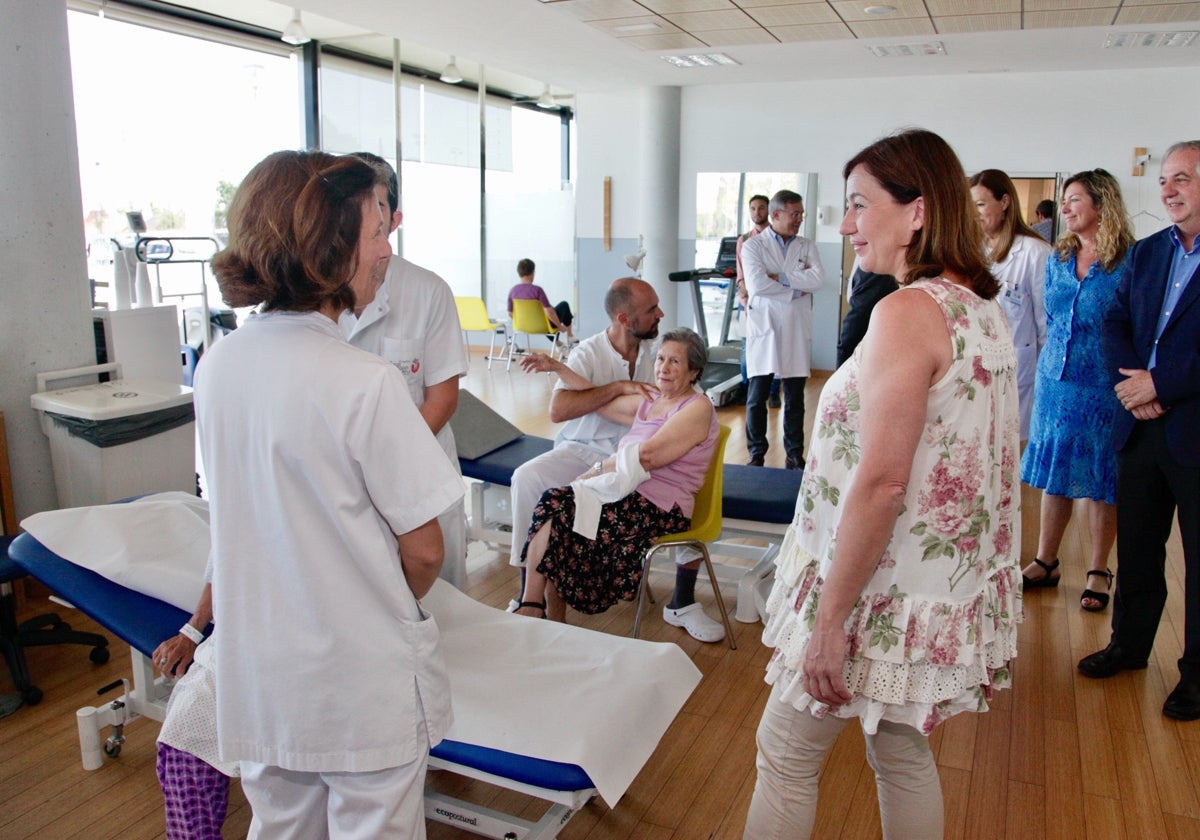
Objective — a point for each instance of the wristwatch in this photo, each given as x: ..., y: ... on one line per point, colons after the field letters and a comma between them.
x: 598, y: 467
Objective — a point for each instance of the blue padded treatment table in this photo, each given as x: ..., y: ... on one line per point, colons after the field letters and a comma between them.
x: 761, y: 494
x: 144, y: 622
x: 497, y: 466
x: 139, y: 620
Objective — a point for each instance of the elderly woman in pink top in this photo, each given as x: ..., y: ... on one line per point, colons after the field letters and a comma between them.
x: 663, y: 460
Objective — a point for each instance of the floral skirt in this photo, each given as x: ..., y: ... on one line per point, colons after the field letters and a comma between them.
x: 912, y: 660
x: 592, y: 575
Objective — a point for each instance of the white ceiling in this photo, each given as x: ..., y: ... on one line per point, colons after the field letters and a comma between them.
x: 576, y: 46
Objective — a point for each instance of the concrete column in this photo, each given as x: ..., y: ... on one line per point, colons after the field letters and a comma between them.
x: 659, y: 188
x: 45, y: 320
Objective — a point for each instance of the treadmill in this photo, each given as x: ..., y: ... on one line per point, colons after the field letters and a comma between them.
x: 722, y: 376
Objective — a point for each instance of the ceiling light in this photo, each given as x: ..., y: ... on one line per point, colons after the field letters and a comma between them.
x: 904, y: 50
x: 295, y: 33
x: 1121, y: 40
x: 881, y: 11
x: 630, y: 28
x: 701, y: 60
x: 450, y: 74
x: 546, y: 100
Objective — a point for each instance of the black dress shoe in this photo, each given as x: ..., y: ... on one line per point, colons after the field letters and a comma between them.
x: 1105, y: 663
x: 793, y: 464
x: 755, y: 461
x: 1184, y: 702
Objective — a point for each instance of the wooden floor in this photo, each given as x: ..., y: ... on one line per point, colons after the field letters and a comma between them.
x: 1060, y: 756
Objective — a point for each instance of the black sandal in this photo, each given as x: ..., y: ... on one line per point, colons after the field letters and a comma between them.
x: 1046, y: 580
x: 535, y: 605
x: 1102, y: 597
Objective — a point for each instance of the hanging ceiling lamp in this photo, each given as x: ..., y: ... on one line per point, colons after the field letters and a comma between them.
x: 295, y: 33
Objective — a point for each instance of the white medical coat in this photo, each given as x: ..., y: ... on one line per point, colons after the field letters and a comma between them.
x: 316, y: 457
x: 1022, y: 277
x: 413, y: 324
x: 779, y: 316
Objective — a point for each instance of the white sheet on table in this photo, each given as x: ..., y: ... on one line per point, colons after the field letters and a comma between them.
x: 157, y: 545
x: 518, y: 684
x: 558, y: 692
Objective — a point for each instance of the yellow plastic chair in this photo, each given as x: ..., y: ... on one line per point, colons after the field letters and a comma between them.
x: 473, y: 317
x: 706, y: 527
x: 529, y: 317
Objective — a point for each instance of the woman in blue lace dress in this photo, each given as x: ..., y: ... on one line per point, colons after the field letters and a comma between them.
x: 1070, y: 455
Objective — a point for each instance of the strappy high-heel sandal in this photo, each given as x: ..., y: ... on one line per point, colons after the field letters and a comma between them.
x: 534, y: 605
x: 1101, y: 597
x: 1048, y: 579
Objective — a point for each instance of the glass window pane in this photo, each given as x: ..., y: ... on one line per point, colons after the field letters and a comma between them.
x: 168, y: 124
x: 530, y: 213
x: 357, y: 110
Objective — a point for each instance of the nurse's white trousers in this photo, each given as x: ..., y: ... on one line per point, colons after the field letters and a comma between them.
x: 289, y: 805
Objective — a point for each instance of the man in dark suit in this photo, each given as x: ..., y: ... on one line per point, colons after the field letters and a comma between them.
x: 1152, y: 340
x: 866, y: 289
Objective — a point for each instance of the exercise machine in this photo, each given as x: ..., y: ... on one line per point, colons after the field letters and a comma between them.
x: 722, y: 376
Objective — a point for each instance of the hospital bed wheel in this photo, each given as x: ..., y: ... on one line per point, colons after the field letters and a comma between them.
x: 112, y: 749
x: 32, y: 695
x: 98, y: 655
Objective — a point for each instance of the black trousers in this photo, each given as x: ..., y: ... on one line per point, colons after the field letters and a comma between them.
x: 793, y: 416
x: 1151, y: 487
x: 563, y: 310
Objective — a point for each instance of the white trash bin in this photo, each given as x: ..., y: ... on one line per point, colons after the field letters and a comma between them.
x: 117, y: 439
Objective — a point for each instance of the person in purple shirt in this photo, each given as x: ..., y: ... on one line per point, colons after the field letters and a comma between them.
x: 560, y: 316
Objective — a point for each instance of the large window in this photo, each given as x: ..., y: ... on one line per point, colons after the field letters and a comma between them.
x: 529, y: 210
x: 171, y: 116
x: 168, y: 125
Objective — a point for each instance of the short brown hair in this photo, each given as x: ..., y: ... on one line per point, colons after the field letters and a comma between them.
x: 525, y: 267
x: 916, y: 164
x: 294, y: 227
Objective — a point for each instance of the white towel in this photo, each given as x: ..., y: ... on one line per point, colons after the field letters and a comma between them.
x: 591, y: 493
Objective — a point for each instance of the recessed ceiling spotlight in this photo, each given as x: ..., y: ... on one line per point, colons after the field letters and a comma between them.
x: 880, y: 11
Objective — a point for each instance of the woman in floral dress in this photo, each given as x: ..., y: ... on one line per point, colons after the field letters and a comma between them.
x: 897, y: 591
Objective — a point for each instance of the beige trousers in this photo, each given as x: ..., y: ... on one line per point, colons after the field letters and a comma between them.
x: 791, y: 745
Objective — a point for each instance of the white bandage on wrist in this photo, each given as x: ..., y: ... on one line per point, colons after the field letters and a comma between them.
x: 192, y: 633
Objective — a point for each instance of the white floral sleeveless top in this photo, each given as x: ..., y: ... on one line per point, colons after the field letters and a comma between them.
x: 935, y: 628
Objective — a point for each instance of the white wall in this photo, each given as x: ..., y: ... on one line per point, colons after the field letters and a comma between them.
x: 1023, y: 123
x: 45, y: 319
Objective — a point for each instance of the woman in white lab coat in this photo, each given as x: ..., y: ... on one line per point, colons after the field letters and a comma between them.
x: 324, y: 486
x: 1018, y: 258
